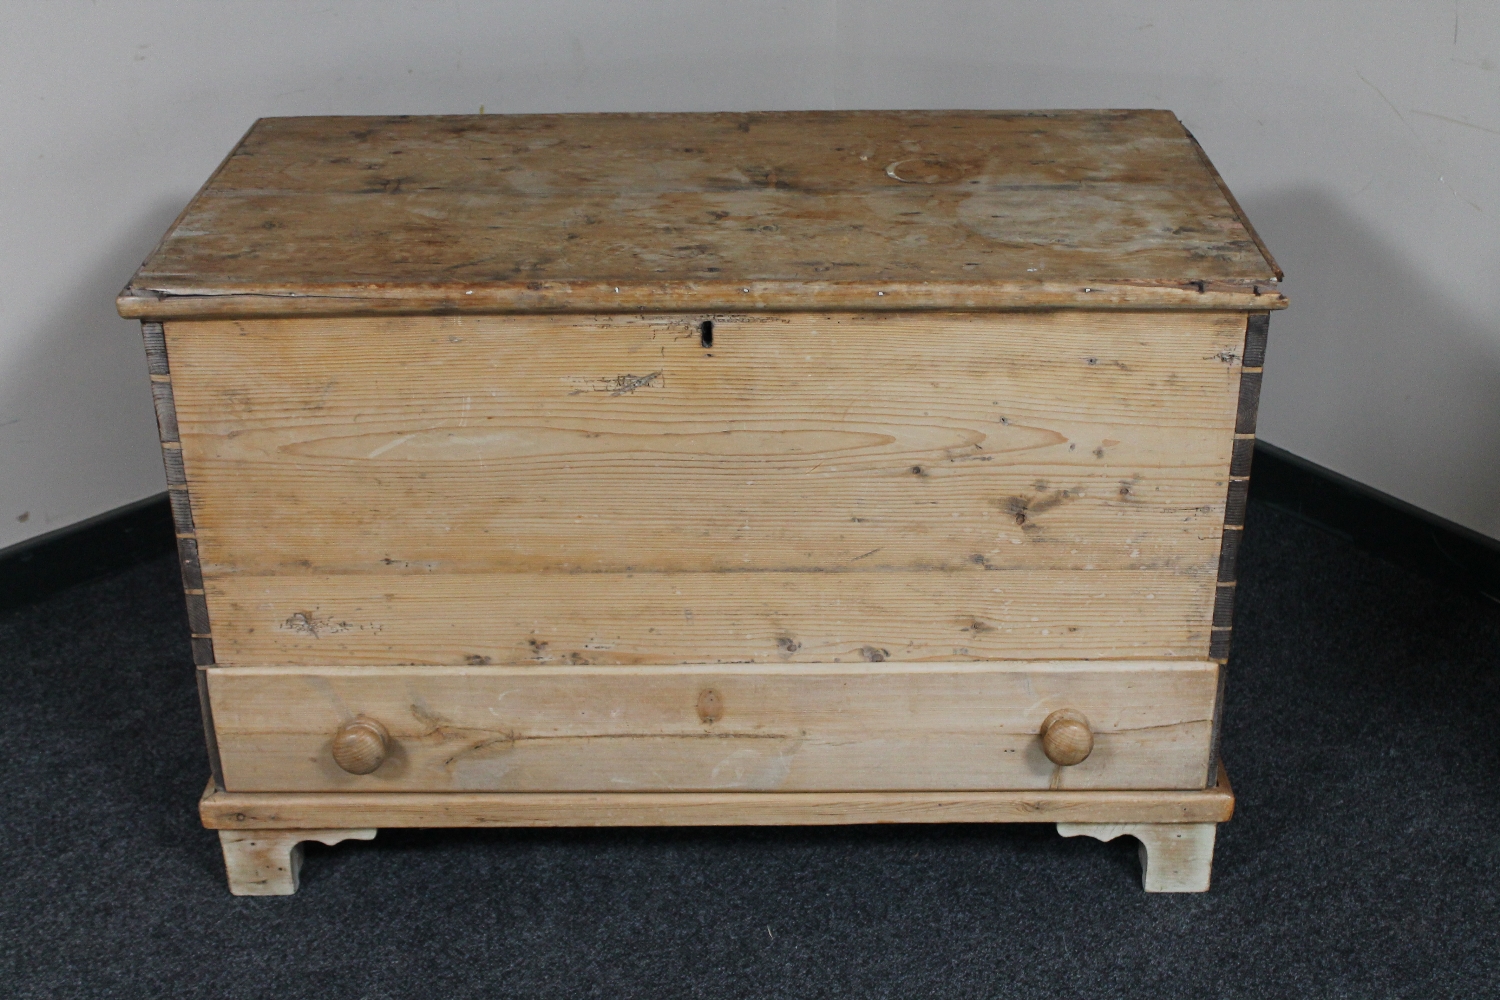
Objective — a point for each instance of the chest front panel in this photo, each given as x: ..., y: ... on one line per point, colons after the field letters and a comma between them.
x: 789, y: 488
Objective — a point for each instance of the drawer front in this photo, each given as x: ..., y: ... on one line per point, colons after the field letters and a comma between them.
x: 613, y: 490
x: 815, y: 727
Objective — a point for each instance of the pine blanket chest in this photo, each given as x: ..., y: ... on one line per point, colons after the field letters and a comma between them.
x: 710, y: 469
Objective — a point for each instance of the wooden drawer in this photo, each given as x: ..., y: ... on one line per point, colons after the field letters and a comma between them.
x: 814, y: 727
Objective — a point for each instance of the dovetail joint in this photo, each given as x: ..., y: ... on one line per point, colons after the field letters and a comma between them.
x: 154, y: 337
x: 1236, y: 503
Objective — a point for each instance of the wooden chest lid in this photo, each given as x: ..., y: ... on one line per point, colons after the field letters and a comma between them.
x: 709, y: 212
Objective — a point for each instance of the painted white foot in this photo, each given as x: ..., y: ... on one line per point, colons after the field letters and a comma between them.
x: 1175, y: 857
x: 267, y: 862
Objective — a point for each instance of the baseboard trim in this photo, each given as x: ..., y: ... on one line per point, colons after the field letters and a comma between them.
x: 1376, y: 522
x: 86, y: 550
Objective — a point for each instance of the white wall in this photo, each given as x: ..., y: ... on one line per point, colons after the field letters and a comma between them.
x: 1363, y: 139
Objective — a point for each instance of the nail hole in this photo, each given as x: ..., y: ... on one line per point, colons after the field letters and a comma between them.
x: 706, y: 333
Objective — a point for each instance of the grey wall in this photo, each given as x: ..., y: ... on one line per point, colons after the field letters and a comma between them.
x: 1363, y: 138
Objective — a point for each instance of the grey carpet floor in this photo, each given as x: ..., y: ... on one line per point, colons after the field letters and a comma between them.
x: 1364, y: 861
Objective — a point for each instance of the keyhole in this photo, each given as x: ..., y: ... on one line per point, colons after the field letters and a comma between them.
x: 706, y: 333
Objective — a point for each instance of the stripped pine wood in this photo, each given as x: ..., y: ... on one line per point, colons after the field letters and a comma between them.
x: 825, y: 210
x: 392, y: 460
x: 484, y: 444
x: 802, y: 467
x: 851, y: 727
x: 299, y: 810
x: 622, y: 618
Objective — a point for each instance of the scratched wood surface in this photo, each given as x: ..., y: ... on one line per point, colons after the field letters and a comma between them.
x: 609, y: 490
x: 624, y: 618
x: 789, y: 210
x: 887, y: 726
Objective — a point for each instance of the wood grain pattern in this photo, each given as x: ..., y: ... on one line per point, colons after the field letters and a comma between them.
x: 467, y: 445
x: 849, y: 727
x: 361, y: 746
x: 792, y: 210
x: 297, y: 810
x: 1067, y: 739
x: 568, y: 481
x: 624, y: 618
x: 1234, y: 204
x: 210, y: 734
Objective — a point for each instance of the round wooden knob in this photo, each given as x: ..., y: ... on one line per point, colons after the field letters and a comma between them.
x: 361, y: 746
x: 1066, y: 737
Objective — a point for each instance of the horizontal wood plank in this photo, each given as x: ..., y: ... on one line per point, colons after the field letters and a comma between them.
x: 621, y: 618
x: 301, y: 810
x: 861, y: 726
x: 166, y: 300
x: 809, y: 442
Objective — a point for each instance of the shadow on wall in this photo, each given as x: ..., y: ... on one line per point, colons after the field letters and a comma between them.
x: 78, y: 400
x: 1373, y: 371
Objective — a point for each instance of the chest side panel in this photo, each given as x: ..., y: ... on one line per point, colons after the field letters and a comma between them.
x: 606, y: 490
